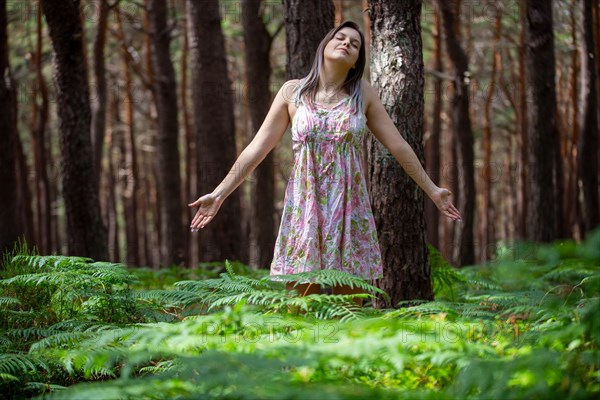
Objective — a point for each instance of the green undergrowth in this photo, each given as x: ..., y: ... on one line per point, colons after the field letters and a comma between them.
x: 526, y: 325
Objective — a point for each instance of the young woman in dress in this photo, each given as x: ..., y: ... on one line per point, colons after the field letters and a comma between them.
x: 327, y: 222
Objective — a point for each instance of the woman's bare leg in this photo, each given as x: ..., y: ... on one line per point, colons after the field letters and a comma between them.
x: 345, y: 289
x: 304, y: 289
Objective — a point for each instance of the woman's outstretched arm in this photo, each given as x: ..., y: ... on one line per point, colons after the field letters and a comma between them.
x: 382, y: 126
x: 267, y: 137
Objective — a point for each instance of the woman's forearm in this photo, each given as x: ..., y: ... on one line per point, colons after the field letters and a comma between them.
x: 247, y: 161
x: 411, y: 164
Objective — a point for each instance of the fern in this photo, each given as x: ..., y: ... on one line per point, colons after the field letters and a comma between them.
x: 9, y: 301
x: 498, y: 329
x: 14, y: 365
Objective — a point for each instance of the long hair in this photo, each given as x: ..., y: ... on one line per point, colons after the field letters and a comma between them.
x: 308, y: 86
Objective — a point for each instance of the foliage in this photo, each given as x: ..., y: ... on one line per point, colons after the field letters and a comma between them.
x: 523, y: 326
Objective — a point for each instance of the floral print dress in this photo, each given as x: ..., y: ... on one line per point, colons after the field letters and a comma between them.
x: 327, y: 222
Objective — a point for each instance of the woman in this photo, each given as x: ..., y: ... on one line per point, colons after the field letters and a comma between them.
x: 327, y: 222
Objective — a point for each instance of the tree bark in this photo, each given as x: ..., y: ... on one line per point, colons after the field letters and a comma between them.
x: 39, y: 124
x: 397, y: 73
x: 542, y: 134
x: 169, y: 185
x: 112, y: 186
x: 306, y: 24
x: 257, y: 42
x: 432, y: 145
x: 215, y: 131
x: 588, y: 140
x: 23, y: 196
x: 191, y: 250
x: 464, y: 253
x: 99, y: 108
x: 9, y: 230
x: 86, y: 232
x: 129, y: 155
x: 522, y: 142
x: 486, y: 224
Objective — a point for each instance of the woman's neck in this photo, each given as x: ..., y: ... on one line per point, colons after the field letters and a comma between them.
x: 331, y: 82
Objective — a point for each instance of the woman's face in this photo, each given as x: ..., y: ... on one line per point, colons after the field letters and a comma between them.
x: 344, y: 47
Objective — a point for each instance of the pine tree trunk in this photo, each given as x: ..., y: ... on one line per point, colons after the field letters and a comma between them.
x: 215, y: 131
x: 397, y: 73
x: 432, y: 145
x: 486, y: 224
x: 8, y: 141
x: 306, y: 23
x: 191, y: 249
x: 85, y: 230
x: 39, y: 125
x: 128, y: 145
x: 542, y: 134
x: 464, y: 253
x: 23, y: 194
x: 588, y: 141
x: 522, y: 142
x: 168, y: 131
x: 257, y: 43
x: 99, y: 109
x: 112, y: 187
x: 151, y: 222
x: 339, y: 11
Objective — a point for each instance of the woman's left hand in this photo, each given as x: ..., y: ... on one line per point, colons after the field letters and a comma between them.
x: 441, y: 198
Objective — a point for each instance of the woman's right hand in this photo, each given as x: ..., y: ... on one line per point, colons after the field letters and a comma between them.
x: 208, y: 206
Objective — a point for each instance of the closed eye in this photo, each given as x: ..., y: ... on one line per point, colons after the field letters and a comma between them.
x: 353, y: 42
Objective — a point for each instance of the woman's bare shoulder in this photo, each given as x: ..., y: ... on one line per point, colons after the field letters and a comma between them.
x: 369, y: 93
x: 288, y: 90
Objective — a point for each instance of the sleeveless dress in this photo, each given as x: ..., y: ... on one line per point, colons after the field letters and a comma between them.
x: 327, y: 222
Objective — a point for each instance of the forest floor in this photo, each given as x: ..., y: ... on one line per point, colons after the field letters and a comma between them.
x: 526, y: 325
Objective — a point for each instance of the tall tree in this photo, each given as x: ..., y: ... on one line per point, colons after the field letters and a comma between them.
x: 85, y: 230
x: 191, y: 251
x: 169, y: 185
x: 306, y: 23
x: 486, y: 225
x: 464, y: 252
x: 257, y: 45
x: 130, y: 180
x: 39, y: 125
x: 99, y: 109
x: 8, y: 141
x: 523, y: 127
x: 542, y: 134
x: 214, y: 127
x: 432, y: 146
x: 588, y: 139
x: 397, y: 73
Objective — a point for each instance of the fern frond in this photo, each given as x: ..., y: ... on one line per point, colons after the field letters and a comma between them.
x: 424, y: 308
x: 5, y: 342
x: 31, y: 333
x: 21, y: 364
x: 9, y: 301
x: 78, y: 325
x: 340, y: 307
x: 61, y: 340
x: 50, y: 262
x: 330, y: 278
x: 173, y: 297
x: 4, y: 377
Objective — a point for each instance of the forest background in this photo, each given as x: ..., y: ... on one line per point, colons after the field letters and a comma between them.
x: 115, y: 114
x: 177, y: 89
